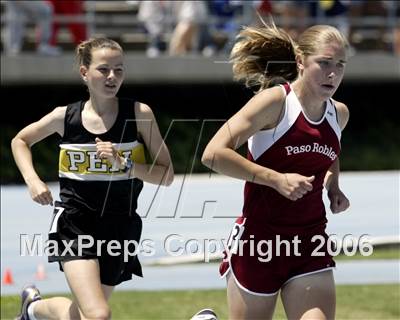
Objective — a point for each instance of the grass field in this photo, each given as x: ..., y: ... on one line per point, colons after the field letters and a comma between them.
x: 353, y: 302
x: 381, y: 253
x: 378, y: 253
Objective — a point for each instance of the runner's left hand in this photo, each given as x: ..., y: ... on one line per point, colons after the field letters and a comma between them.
x: 339, y: 201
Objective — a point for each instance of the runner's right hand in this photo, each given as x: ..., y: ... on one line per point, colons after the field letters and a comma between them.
x: 40, y: 192
x: 293, y: 186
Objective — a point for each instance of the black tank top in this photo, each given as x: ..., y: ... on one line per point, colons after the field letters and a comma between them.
x: 88, y: 182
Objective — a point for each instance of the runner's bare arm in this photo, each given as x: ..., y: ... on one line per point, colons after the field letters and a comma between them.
x: 161, y: 171
x: 21, y: 148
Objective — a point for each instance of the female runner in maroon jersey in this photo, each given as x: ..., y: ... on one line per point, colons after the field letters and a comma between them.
x: 293, y: 132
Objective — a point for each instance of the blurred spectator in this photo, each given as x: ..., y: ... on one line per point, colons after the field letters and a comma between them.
x: 69, y: 8
x: 396, y: 36
x: 369, y: 35
x: 263, y: 8
x: 392, y: 34
x: 221, y: 31
x: 183, y: 17
x: 153, y: 15
x: 20, y: 12
x: 334, y: 10
x: 190, y: 15
x: 291, y: 16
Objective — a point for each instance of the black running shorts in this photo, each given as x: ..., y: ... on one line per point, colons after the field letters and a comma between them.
x: 78, y: 232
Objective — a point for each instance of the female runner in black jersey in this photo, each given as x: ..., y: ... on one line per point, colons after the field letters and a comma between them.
x: 101, y: 172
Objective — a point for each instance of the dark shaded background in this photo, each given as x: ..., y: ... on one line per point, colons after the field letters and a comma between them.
x: 370, y: 142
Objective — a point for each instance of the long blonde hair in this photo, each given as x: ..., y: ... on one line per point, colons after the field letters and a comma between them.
x: 263, y: 54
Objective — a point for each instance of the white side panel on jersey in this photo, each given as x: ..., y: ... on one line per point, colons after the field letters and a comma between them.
x: 115, y: 176
x: 92, y: 146
x: 332, y: 119
x: 263, y: 140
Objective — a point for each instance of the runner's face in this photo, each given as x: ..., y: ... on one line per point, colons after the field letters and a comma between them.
x: 106, y: 73
x: 324, y: 70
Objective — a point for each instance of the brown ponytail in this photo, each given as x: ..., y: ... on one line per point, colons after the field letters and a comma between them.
x: 84, y: 49
x: 263, y: 56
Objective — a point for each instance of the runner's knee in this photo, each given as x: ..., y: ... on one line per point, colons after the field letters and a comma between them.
x: 98, y: 313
